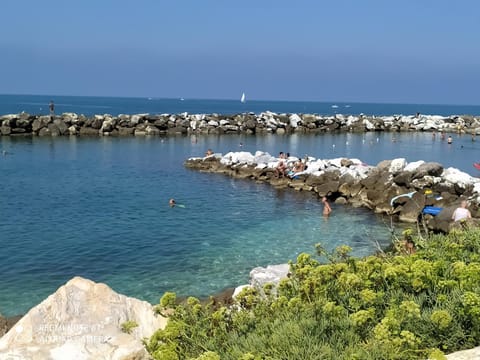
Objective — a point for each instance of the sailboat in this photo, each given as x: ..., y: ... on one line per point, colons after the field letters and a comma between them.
x: 242, y: 99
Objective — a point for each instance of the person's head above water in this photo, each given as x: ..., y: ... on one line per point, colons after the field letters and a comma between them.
x: 171, y: 202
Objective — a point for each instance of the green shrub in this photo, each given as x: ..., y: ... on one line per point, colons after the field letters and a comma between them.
x: 396, y: 306
x: 128, y: 326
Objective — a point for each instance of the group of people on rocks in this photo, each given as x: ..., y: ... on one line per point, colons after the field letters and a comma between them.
x: 289, y: 169
x: 292, y: 169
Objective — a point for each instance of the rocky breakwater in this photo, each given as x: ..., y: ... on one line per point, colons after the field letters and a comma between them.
x: 415, y: 185
x: 83, y: 320
x: 245, y: 123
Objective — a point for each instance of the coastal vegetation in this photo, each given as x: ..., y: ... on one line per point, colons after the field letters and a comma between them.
x: 128, y: 326
x: 392, y: 305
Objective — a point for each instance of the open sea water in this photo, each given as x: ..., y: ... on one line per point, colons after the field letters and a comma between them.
x: 98, y: 207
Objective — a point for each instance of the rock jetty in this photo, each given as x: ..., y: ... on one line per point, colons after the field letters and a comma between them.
x: 350, y: 181
x: 243, y: 123
x: 83, y: 320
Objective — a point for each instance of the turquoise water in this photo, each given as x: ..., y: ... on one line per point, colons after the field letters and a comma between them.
x: 98, y: 207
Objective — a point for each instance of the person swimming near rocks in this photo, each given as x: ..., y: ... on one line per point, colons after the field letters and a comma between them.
x: 326, y: 207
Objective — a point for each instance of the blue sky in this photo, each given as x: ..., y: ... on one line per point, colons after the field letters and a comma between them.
x: 410, y: 51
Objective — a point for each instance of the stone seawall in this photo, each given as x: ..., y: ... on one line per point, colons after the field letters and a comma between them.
x: 349, y: 181
x: 245, y: 123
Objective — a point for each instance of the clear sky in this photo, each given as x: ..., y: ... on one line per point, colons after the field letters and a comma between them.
x: 408, y: 51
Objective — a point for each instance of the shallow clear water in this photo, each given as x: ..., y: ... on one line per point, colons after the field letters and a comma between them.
x: 98, y: 208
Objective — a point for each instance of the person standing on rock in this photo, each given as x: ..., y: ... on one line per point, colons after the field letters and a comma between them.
x: 51, y: 106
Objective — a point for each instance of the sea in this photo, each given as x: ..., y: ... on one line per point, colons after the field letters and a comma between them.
x: 98, y: 207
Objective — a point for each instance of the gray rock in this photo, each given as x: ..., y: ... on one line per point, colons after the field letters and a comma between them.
x: 62, y: 127
x: 44, y: 132
x: 88, y: 131
x: 430, y: 168
x: 5, y: 130
x: 97, y: 123
x: 7, y: 323
x: 125, y: 131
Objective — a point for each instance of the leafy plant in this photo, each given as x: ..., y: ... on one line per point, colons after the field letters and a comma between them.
x: 128, y: 326
x: 394, y: 306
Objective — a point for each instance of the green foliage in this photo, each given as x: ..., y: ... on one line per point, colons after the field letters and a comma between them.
x: 128, y: 326
x: 396, y: 306
x: 168, y: 300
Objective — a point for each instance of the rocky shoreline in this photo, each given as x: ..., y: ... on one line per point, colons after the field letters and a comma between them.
x: 72, y: 124
x: 416, y: 185
x: 88, y: 320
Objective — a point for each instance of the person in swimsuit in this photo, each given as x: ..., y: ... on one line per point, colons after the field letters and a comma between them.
x: 326, y: 207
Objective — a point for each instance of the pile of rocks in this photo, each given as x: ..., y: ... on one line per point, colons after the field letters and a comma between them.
x: 350, y: 181
x: 244, y: 123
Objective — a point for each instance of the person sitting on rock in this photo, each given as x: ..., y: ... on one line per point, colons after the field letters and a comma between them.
x: 280, y: 170
x: 297, y: 168
x: 461, y: 213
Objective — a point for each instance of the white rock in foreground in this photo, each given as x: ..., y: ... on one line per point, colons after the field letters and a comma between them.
x: 260, y: 276
x: 82, y: 321
x: 472, y: 354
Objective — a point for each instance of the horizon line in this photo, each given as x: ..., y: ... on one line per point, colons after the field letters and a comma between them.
x: 333, y: 102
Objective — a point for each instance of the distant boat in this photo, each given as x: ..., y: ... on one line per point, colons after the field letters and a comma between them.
x: 347, y: 106
x: 149, y: 98
x: 242, y: 99
x: 182, y: 99
x: 334, y: 106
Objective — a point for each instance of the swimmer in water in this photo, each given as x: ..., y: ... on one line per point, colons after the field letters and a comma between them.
x: 172, y: 202
x: 326, y: 207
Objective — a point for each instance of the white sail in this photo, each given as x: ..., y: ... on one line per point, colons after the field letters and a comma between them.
x: 242, y: 99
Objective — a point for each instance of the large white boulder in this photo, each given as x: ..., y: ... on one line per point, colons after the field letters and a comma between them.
x: 335, y: 162
x: 294, y: 120
x: 260, y: 276
x: 241, y: 157
x: 397, y: 165
x: 413, y: 165
x: 263, y: 157
x: 458, y: 177
x: 82, y: 320
x: 471, y: 354
x: 368, y: 124
x: 315, y: 165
